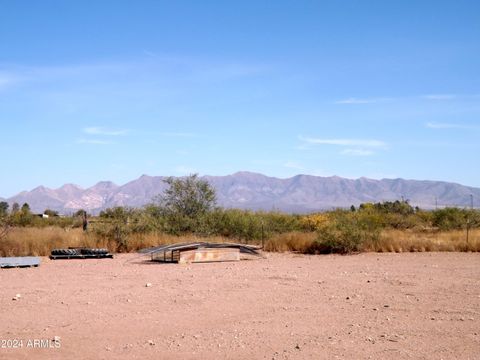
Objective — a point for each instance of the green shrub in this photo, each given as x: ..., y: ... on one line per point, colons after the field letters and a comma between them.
x: 347, y: 233
x: 451, y: 218
x: 246, y: 225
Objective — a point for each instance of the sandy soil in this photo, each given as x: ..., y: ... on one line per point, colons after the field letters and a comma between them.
x: 398, y: 306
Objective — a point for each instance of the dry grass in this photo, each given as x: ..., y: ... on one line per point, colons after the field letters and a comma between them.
x: 389, y: 241
x: 292, y: 241
x: 415, y: 241
x: 40, y: 241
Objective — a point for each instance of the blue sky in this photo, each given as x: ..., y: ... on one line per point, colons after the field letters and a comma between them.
x: 111, y: 90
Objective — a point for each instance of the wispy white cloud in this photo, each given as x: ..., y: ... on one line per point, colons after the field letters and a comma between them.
x: 439, y: 96
x: 99, y: 130
x: 353, y: 101
x: 368, y: 143
x: 352, y: 147
x: 7, y: 80
x: 95, y: 142
x: 228, y: 71
x: 432, y: 97
x: 150, y: 70
x: 357, y: 152
x: 150, y: 53
x: 435, y: 125
x: 4, y: 81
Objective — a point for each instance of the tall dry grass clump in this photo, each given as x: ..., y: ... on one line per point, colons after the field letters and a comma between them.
x: 292, y: 241
x: 419, y: 241
x: 345, y: 241
x: 40, y: 241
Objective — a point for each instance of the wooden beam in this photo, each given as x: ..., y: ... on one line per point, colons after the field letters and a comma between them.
x: 209, y: 255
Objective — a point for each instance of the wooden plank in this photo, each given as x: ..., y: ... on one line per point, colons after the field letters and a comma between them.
x: 209, y: 255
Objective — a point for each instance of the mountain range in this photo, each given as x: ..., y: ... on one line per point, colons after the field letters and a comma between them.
x: 246, y: 190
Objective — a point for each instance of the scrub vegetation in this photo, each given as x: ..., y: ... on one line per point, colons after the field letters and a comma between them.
x: 187, y: 212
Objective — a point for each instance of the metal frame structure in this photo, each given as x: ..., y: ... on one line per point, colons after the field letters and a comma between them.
x: 200, y: 252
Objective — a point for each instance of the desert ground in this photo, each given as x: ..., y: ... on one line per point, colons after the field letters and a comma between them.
x: 284, y: 306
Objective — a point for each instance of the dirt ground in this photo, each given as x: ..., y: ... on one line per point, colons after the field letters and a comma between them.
x: 367, y: 306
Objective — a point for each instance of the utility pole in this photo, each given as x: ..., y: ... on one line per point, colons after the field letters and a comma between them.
x: 468, y: 227
x: 469, y: 214
x: 263, y: 241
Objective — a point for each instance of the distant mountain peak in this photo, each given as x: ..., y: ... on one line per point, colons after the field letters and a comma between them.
x: 40, y: 188
x: 105, y: 184
x: 70, y: 187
